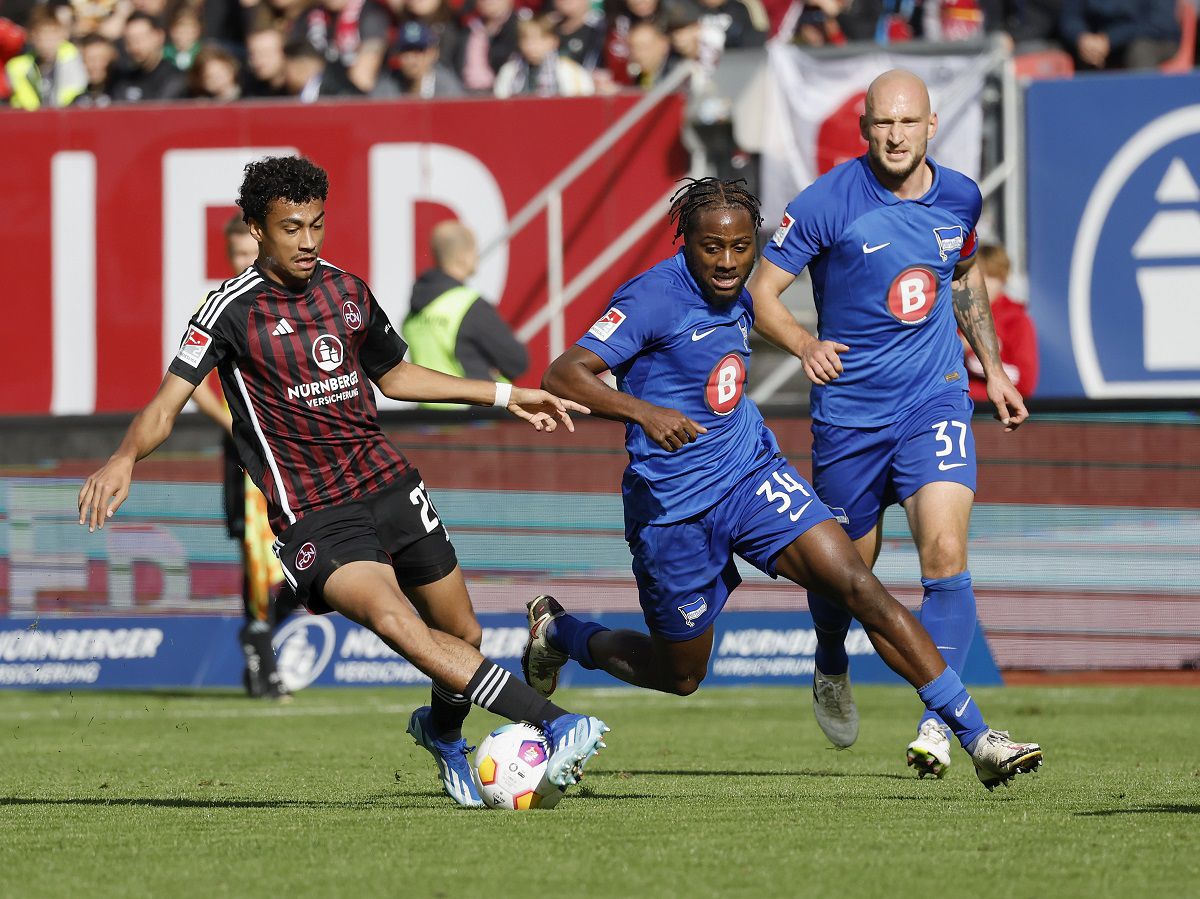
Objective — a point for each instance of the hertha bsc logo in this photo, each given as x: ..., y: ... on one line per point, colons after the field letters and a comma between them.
x: 305, y: 557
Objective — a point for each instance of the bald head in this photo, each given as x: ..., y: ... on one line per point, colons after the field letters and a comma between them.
x: 898, y: 87
x: 897, y: 125
x: 453, y: 247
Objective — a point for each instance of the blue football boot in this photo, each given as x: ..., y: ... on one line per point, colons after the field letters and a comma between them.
x: 573, y: 740
x: 451, y: 757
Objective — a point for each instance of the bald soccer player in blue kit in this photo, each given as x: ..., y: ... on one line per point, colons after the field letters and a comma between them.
x: 889, y: 239
x: 706, y: 481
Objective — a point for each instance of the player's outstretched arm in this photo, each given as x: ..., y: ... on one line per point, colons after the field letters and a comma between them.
x: 973, y: 312
x: 773, y: 321
x: 415, y: 383
x: 573, y: 375
x: 104, y: 491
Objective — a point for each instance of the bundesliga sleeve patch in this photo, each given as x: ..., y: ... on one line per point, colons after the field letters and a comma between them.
x: 609, y: 322
x: 781, y: 232
x: 194, y: 346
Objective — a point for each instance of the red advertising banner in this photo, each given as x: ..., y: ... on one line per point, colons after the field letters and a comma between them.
x: 112, y: 218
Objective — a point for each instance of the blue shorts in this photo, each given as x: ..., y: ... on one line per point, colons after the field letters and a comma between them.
x: 685, y: 570
x: 859, y: 472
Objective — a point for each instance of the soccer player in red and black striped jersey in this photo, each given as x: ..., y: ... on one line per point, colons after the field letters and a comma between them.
x: 295, y: 341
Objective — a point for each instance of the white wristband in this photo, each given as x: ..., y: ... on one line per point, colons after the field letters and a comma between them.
x: 503, y: 395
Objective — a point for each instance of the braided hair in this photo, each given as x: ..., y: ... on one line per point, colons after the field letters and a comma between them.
x: 710, y: 193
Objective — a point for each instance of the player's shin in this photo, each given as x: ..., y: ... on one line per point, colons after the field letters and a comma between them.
x: 497, y: 690
x: 946, y: 696
x: 832, y: 623
x: 948, y: 613
x: 569, y: 634
x: 448, y: 711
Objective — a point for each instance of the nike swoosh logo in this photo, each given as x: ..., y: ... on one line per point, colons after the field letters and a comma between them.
x: 795, y: 516
x: 962, y: 708
x: 942, y: 466
x: 869, y: 250
x: 700, y: 335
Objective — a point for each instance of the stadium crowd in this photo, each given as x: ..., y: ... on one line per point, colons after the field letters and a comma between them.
x: 60, y: 53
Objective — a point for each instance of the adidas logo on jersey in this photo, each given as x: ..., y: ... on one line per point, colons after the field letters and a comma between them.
x: 283, y: 328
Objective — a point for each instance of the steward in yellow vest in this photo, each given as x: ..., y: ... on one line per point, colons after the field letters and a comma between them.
x: 52, y: 73
x: 450, y: 327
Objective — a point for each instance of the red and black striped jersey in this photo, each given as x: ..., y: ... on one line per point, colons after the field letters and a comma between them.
x: 296, y: 370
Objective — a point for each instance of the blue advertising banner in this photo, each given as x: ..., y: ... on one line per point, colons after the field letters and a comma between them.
x: 1114, y: 234
x: 327, y: 651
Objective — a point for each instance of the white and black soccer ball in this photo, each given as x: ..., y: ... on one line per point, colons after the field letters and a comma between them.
x: 510, y: 769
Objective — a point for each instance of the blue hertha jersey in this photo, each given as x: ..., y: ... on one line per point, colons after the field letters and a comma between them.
x: 669, y: 346
x: 881, y: 270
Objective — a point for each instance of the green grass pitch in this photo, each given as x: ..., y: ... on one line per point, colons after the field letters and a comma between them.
x: 731, y: 792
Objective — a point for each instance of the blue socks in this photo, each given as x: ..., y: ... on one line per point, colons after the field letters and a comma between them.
x: 948, y: 613
x: 946, y: 696
x: 832, y: 624
x: 568, y: 634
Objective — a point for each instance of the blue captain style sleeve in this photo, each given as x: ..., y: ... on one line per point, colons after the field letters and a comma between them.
x: 962, y: 197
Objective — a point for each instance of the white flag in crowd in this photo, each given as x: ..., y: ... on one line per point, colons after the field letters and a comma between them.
x: 812, y: 108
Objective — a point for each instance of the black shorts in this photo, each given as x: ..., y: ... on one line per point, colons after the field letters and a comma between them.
x: 397, y: 526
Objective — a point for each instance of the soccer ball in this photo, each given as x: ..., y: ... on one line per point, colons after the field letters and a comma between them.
x: 510, y: 769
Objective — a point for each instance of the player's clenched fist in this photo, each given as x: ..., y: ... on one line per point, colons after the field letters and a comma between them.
x: 669, y: 428
x: 108, y: 486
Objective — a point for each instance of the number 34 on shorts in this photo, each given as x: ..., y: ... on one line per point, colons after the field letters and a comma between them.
x: 790, y: 496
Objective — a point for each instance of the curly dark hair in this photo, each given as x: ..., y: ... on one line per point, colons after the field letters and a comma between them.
x: 706, y: 193
x: 292, y: 179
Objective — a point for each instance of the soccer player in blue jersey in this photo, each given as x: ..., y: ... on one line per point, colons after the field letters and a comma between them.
x: 889, y: 239
x: 706, y: 481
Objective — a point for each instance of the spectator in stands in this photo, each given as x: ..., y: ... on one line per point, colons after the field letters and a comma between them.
x: 265, y: 74
x: 183, y: 33
x: 1026, y: 25
x: 51, y: 74
x: 415, y: 67
x: 539, y: 69
x: 310, y: 77
x: 215, y: 75
x: 952, y: 20
x: 1120, y: 34
x: 622, y: 16
x: 729, y: 24
x: 814, y: 23
x: 351, y: 34
x: 1014, y: 330
x: 440, y: 18
x: 150, y: 76
x: 580, y: 32
x: 650, y: 58
x: 450, y: 327
x: 99, y: 56
x: 490, y: 41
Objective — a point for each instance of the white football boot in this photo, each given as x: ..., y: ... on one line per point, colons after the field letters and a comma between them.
x: 998, y: 759
x: 541, y: 662
x: 833, y: 706
x: 929, y: 753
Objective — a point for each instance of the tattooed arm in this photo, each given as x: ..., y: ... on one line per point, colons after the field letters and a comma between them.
x: 973, y: 312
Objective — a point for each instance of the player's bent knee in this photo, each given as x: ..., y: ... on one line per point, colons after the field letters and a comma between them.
x: 685, y: 684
